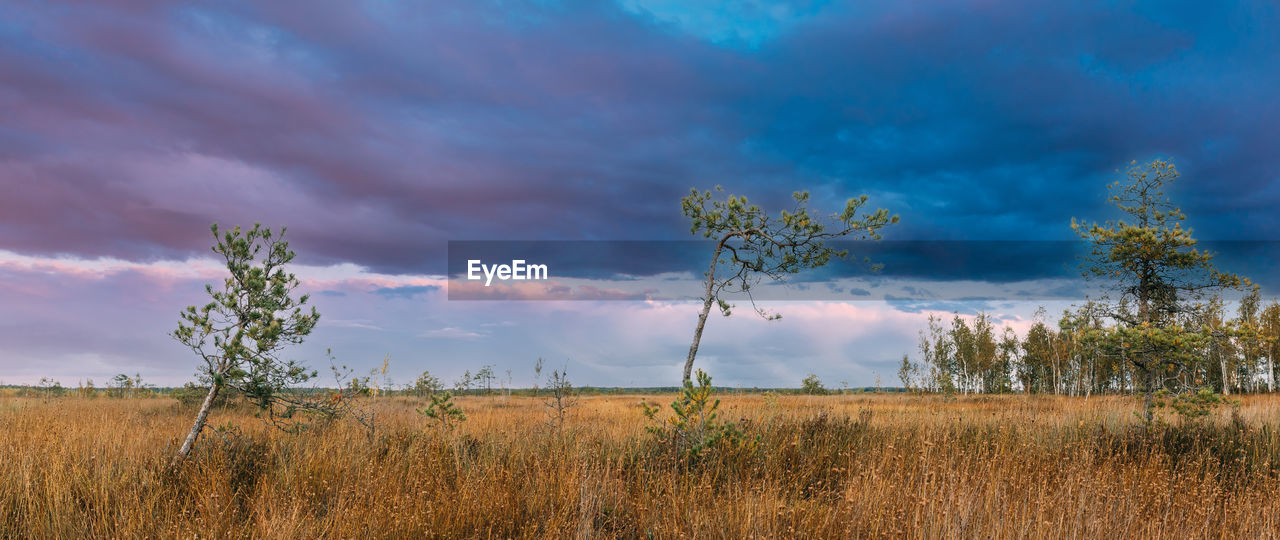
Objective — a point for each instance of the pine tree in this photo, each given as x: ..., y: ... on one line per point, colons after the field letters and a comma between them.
x: 1153, y: 262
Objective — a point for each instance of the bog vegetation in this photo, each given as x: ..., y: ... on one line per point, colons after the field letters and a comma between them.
x: 958, y: 455
x: 840, y: 465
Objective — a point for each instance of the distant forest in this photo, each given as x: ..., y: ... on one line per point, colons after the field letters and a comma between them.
x: 1081, y: 354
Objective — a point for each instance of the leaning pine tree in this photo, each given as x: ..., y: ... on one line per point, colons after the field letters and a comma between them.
x: 1160, y: 276
x: 241, y: 331
x: 750, y: 243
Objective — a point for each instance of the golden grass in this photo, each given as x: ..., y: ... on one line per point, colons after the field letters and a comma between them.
x: 989, y: 467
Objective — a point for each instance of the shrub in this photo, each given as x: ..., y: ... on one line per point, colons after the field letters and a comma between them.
x: 812, y: 385
x: 1191, y: 406
x: 443, y: 411
x: 694, y: 429
x: 562, y: 397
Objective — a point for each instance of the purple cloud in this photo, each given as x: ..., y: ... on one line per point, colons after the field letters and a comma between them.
x: 378, y: 132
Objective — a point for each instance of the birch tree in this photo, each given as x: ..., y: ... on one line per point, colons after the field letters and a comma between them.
x: 1270, y: 330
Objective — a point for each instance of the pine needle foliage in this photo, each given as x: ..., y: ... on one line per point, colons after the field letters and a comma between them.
x: 694, y: 428
x: 443, y: 411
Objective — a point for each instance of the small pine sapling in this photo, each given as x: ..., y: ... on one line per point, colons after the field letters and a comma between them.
x: 694, y: 428
x: 1192, y: 406
x: 443, y: 411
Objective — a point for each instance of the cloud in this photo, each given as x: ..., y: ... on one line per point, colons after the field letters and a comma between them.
x: 549, y: 290
x: 451, y: 332
x: 104, y: 267
x: 407, y: 291
x: 381, y: 132
x: 971, y: 121
x: 364, y: 324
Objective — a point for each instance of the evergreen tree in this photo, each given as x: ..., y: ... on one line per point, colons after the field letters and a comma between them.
x: 1153, y: 262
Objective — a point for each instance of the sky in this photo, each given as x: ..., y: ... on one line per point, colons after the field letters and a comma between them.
x: 379, y: 132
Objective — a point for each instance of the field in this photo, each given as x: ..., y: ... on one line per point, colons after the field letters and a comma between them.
x: 824, y: 466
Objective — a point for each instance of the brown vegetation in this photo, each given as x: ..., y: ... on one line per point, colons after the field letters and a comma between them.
x: 824, y: 466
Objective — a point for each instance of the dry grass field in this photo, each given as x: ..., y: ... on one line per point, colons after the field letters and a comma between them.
x: 832, y: 466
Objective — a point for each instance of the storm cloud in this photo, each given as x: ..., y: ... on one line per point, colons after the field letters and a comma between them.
x: 379, y: 132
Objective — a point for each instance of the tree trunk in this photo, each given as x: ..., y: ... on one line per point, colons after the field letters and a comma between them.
x: 1226, y: 384
x: 697, y: 337
x: 198, y: 425
x: 1093, y: 373
x: 1057, y: 369
x: 1271, y: 375
x: 707, y: 300
x: 1148, y: 395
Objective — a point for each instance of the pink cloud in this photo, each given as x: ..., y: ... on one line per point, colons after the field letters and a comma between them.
x: 541, y: 290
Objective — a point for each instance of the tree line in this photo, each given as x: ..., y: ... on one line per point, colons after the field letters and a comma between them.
x: 1082, y: 353
x: 1160, y: 329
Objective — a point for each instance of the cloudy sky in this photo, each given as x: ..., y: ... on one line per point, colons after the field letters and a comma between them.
x: 380, y: 131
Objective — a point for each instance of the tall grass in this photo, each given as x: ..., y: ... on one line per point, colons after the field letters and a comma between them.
x: 846, y: 466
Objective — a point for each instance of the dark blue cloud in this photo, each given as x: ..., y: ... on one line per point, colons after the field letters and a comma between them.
x: 380, y: 132
x: 1040, y: 266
